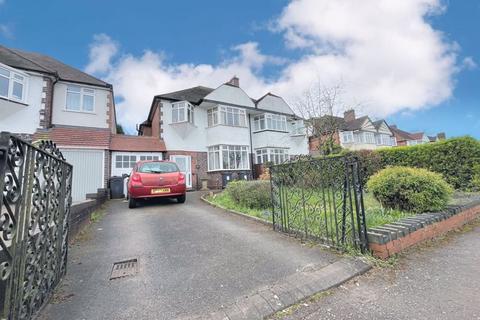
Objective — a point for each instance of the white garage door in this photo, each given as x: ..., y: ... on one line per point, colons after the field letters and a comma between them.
x: 87, y: 171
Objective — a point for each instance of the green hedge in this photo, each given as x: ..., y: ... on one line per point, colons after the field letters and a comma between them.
x: 410, y: 189
x: 251, y: 194
x: 456, y: 159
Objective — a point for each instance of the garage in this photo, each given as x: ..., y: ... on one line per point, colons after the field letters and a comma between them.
x: 88, y: 172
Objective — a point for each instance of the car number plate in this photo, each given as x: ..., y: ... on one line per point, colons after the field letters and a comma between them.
x: 162, y: 190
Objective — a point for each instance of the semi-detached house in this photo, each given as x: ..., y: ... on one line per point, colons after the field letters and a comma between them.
x: 221, y: 134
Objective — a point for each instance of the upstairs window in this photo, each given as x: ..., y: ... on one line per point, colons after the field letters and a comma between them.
x: 227, y: 116
x: 12, y: 85
x: 383, y: 139
x: 80, y: 99
x: 270, y: 122
x: 346, y: 137
x: 297, y: 128
x: 365, y: 137
x: 182, y: 112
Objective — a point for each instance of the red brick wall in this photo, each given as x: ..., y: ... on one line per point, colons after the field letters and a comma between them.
x: 315, y: 142
x: 431, y: 231
x: 46, y: 110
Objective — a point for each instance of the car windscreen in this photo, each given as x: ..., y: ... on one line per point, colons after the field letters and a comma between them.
x: 158, y: 167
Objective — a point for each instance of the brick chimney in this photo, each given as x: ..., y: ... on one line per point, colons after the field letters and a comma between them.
x: 235, y: 81
x: 349, y: 115
x: 441, y: 136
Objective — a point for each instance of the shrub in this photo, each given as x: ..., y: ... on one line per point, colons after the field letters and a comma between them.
x: 250, y: 194
x: 411, y: 189
x: 455, y: 159
x: 370, y: 162
x: 265, y: 174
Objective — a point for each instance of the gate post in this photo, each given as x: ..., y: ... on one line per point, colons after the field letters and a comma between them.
x: 5, y: 262
x: 360, y: 209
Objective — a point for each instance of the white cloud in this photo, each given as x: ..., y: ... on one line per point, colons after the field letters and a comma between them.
x: 102, y: 50
x: 384, y: 52
x: 469, y: 64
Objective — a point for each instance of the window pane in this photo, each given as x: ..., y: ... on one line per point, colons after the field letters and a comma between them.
x: 225, y: 159
x: 73, y: 101
x: 87, y: 103
x: 74, y: 89
x: 18, y: 77
x: 5, y: 72
x: 118, y: 158
x: 4, y: 86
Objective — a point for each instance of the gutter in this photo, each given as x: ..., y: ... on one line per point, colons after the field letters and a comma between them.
x: 251, y: 143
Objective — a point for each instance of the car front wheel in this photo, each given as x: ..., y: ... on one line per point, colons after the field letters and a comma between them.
x: 182, y: 199
x: 132, y: 203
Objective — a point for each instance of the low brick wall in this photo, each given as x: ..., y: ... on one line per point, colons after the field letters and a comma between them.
x: 80, y: 212
x: 387, y: 240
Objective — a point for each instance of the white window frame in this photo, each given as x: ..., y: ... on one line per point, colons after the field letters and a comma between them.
x: 227, y: 116
x: 269, y: 121
x: 297, y: 128
x: 83, y: 91
x: 274, y: 155
x: 184, y: 108
x: 346, y: 137
x: 228, y: 157
x: 12, y: 79
x: 126, y: 161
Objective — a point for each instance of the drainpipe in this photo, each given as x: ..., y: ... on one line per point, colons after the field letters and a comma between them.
x: 251, y: 145
x: 51, y: 100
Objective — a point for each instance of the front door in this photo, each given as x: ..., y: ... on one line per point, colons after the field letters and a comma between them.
x: 184, y: 163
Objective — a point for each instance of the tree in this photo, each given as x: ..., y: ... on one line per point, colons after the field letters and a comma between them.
x: 321, y: 107
x: 120, y: 129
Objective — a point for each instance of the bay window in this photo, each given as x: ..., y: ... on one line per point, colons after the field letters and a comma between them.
x: 228, y: 116
x: 384, y: 140
x: 228, y: 157
x: 364, y: 137
x: 182, y: 112
x: 346, y: 136
x: 270, y: 122
x: 12, y: 85
x: 80, y: 99
x: 275, y: 155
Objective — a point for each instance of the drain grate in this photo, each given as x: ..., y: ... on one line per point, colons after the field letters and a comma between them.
x: 124, y: 269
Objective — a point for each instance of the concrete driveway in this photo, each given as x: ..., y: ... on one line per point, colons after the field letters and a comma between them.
x: 194, y: 261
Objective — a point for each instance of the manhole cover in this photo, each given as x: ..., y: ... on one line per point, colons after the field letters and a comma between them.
x: 124, y: 269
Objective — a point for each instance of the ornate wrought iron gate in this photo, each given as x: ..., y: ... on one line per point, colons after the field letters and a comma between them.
x: 320, y: 199
x: 35, y: 198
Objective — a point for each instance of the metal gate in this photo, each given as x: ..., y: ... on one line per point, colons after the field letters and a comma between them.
x: 320, y: 199
x: 35, y: 198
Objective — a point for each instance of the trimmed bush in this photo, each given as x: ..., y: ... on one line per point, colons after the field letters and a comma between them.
x: 455, y: 159
x: 250, y: 194
x: 410, y: 189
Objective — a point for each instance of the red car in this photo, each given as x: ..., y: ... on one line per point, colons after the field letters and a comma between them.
x: 155, y: 179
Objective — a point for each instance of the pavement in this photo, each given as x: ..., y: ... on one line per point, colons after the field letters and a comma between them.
x: 194, y: 262
x: 437, y: 280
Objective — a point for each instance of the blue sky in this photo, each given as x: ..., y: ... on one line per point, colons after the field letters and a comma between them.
x: 198, y: 41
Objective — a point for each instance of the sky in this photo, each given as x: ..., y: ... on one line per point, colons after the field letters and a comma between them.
x: 414, y: 62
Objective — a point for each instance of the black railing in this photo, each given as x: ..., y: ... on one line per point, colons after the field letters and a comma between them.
x: 320, y: 199
x: 35, y: 199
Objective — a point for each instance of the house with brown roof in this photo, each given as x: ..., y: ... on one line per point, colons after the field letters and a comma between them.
x: 219, y: 134
x: 405, y: 138
x: 351, y: 132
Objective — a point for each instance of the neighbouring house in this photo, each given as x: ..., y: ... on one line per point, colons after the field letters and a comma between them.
x: 43, y: 98
x: 350, y: 132
x: 405, y: 138
x: 221, y: 134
